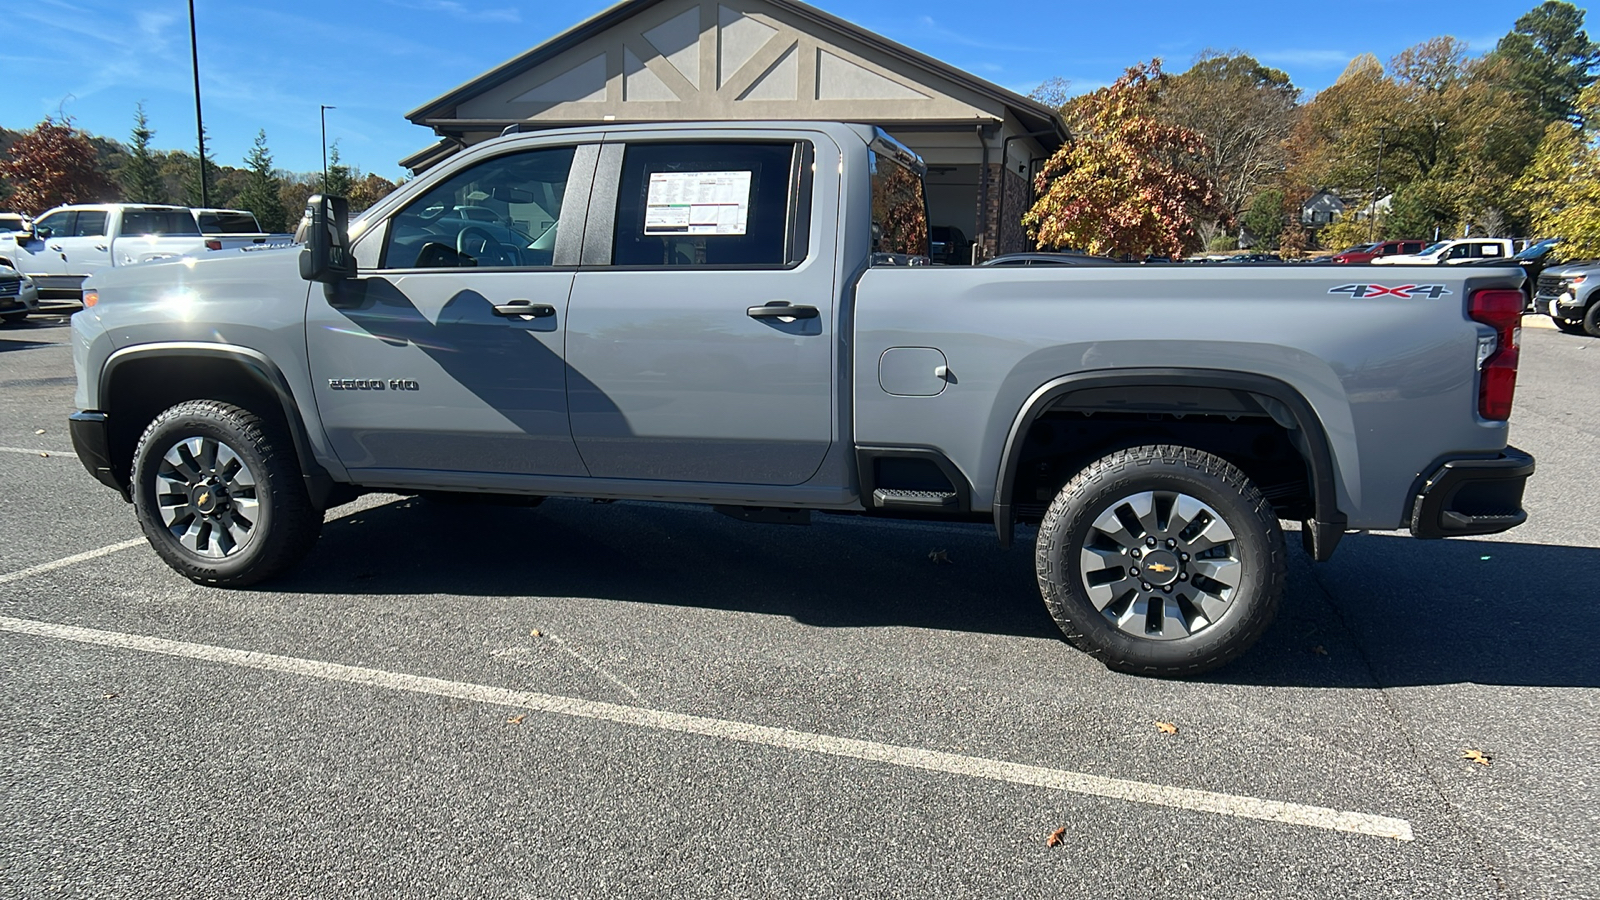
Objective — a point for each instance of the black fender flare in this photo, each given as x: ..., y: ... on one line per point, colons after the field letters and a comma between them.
x: 319, y: 482
x: 1321, y: 534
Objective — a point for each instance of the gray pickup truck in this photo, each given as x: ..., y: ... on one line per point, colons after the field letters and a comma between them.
x: 739, y: 315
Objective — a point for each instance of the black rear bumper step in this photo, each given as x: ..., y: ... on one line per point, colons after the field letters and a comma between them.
x: 1473, y: 496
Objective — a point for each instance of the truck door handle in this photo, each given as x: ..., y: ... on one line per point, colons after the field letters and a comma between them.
x: 524, y: 308
x: 100, y: 247
x: 781, y: 309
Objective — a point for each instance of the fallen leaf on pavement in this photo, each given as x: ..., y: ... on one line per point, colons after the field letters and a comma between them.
x: 111, y: 696
x: 536, y: 633
x: 38, y: 431
x: 1319, y: 650
x: 939, y: 556
x: 1055, y: 837
x: 517, y: 719
x: 1166, y: 728
x: 1477, y: 756
x: 44, y: 455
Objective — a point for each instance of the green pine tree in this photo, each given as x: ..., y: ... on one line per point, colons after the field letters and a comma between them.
x: 1551, y: 57
x: 260, y: 194
x: 141, y: 175
x: 339, y: 180
x: 191, y: 181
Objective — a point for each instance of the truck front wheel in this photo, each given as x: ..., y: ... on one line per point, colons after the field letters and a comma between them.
x: 219, y: 496
x: 1161, y: 560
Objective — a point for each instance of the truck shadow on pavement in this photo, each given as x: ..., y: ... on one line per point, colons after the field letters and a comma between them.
x: 1386, y: 611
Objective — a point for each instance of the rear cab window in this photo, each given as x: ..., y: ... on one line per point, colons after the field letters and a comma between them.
x: 899, y: 205
x: 713, y: 204
x: 225, y: 221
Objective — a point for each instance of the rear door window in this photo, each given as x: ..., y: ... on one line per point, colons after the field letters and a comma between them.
x: 159, y: 222
x: 736, y: 204
x: 90, y: 223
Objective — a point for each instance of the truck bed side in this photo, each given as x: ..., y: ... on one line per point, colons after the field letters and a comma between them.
x: 1378, y: 372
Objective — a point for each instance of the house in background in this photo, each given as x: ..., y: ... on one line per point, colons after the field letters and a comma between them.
x: 737, y: 60
x: 1322, y: 208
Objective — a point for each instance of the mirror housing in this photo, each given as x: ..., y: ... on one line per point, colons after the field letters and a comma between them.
x: 511, y: 195
x: 39, y: 234
x: 326, y: 256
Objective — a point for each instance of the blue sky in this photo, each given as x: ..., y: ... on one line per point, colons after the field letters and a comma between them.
x: 270, y: 64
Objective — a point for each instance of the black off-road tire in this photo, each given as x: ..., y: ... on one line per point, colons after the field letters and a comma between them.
x: 1258, y: 547
x: 1591, y: 319
x: 287, y: 524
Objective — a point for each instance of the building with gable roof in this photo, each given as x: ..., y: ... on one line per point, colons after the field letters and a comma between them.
x: 733, y: 60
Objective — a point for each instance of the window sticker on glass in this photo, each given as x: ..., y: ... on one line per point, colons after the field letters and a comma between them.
x: 697, y: 203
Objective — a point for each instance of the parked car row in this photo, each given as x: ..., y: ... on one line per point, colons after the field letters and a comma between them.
x: 70, y: 243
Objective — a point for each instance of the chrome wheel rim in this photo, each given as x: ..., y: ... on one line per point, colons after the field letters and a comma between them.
x: 207, y: 498
x: 1160, y: 565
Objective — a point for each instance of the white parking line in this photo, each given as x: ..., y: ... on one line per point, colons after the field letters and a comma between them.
x: 744, y: 732
x: 66, y: 453
x: 68, y: 561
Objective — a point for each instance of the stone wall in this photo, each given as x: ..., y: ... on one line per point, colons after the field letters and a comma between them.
x: 1009, y: 194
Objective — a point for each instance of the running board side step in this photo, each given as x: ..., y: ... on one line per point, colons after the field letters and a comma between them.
x: 890, y: 498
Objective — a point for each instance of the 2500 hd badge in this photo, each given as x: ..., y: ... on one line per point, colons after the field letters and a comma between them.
x: 372, y: 384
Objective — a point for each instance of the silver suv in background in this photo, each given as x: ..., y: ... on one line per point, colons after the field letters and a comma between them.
x: 1567, y: 295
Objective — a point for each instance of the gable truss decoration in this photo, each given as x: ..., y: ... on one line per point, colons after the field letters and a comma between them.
x: 715, y: 60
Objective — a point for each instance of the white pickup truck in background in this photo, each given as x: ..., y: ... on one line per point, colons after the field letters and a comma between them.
x: 70, y: 243
x: 1453, y: 252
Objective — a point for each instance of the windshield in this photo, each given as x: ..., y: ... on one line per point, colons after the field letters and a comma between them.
x: 1534, y: 251
x: 1433, y: 248
x: 1359, y: 248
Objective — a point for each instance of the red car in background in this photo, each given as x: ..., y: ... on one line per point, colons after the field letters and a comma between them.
x: 1368, y: 252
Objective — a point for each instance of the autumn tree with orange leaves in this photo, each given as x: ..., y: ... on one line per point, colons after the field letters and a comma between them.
x: 54, y: 164
x: 1128, y: 183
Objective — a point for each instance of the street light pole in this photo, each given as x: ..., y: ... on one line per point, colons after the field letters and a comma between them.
x: 1377, y: 180
x: 199, y: 124
x: 325, y: 109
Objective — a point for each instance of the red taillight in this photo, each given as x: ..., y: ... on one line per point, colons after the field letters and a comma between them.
x: 213, y: 244
x: 1502, y: 311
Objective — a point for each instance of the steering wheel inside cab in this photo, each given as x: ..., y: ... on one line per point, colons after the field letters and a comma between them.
x: 474, y: 242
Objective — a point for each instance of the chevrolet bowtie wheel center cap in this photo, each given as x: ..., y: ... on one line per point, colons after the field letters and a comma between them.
x: 1161, y: 567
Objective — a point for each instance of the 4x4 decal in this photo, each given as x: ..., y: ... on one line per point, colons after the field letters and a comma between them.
x: 1403, y: 292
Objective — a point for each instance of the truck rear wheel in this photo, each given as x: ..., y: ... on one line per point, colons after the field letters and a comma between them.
x: 1161, y: 560
x: 219, y: 496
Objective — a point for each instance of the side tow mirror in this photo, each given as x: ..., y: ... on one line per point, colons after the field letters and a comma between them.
x: 326, y: 256
x: 40, y: 234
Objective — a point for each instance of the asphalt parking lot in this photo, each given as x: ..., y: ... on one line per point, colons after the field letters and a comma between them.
x: 638, y: 700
